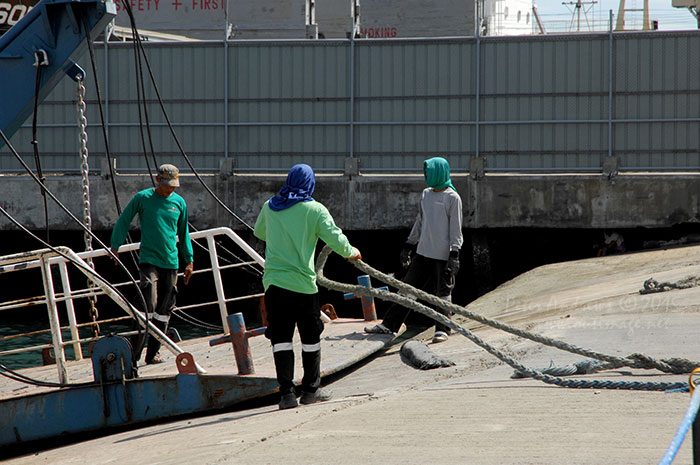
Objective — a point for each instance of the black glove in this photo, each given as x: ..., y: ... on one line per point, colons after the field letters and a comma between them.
x: 406, y: 255
x: 453, y: 262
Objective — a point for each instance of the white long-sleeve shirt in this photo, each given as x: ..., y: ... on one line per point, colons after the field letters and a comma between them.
x: 438, y: 226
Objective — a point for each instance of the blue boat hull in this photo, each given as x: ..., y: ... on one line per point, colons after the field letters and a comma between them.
x: 89, y: 408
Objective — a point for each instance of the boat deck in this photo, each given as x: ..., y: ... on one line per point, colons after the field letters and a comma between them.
x: 343, y: 343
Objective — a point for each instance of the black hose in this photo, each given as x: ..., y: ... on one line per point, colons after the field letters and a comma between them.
x: 35, y: 141
x: 109, y: 162
x: 68, y: 212
x: 11, y: 374
x: 170, y: 126
x: 140, y: 53
x: 141, y: 90
x: 102, y: 116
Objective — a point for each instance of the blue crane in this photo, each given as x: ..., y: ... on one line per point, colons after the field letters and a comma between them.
x: 52, y: 35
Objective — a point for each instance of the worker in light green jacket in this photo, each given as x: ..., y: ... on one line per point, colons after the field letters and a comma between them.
x: 291, y: 223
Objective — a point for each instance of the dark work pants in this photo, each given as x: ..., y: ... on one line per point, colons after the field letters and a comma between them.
x: 159, y: 288
x: 285, y: 310
x: 426, y: 274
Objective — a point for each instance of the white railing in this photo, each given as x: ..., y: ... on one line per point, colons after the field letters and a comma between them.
x: 46, y: 258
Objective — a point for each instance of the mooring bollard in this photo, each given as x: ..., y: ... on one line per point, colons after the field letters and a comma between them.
x: 239, y: 338
x: 368, y: 309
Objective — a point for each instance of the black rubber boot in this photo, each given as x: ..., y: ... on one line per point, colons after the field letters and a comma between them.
x: 284, y: 366
x: 288, y: 401
x: 154, y: 344
x: 312, y: 391
x: 321, y: 395
x: 311, y: 362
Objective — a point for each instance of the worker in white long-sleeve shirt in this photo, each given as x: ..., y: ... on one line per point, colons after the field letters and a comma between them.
x: 431, y: 252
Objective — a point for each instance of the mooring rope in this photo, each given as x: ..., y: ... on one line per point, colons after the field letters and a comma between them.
x: 674, y: 365
x: 652, y: 286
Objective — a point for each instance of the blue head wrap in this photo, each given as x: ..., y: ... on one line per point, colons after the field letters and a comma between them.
x: 298, y: 188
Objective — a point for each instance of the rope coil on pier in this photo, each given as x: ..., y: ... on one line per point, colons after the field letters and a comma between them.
x: 672, y: 365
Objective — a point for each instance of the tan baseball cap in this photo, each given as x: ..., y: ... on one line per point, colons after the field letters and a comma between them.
x: 169, y: 175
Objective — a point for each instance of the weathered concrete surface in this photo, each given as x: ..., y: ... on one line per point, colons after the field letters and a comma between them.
x: 571, y: 201
x: 473, y: 413
x: 370, y: 202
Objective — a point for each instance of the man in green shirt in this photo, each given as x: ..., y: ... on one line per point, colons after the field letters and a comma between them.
x: 163, y: 217
x: 291, y: 223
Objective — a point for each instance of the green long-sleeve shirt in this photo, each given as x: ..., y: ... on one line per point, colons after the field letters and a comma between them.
x: 291, y: 236
x: 163, y: 220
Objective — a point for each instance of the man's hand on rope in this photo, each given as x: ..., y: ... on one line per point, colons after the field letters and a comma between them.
x: 356, y: 255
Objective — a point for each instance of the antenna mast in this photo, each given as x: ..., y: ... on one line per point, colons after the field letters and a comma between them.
x: 576, y: 9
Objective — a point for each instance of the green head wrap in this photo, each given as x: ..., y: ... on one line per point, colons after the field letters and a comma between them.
x: 437, y: 173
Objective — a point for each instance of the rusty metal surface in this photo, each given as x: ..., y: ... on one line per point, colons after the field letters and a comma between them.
x: 241, y: 347
x: 368, y: 308
x: 329, y: 310
x: 31, y: 412
x: 185, y: 364
x: 340, y: 342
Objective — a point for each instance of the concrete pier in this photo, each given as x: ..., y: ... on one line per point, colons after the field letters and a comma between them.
x: 473, y: 413
x: 374, y: 202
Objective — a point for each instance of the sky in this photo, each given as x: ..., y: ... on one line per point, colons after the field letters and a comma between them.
x: 557, y: 17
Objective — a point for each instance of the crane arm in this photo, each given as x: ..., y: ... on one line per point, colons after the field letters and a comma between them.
x: 51, y: 35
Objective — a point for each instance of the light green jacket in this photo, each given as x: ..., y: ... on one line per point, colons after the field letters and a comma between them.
x: 291, y: 236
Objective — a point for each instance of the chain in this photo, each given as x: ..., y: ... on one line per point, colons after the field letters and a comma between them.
x: 83, y: 137
x: 87, y: 220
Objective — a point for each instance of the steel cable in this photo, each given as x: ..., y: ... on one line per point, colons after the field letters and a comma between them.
x: 13, y: 375
x: 137, y: 38
x: 67, y: 212
x: 139, y: 55
x: 102, y: 116
x: 186, y: 317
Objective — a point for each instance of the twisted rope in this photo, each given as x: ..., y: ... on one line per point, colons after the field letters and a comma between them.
x: 634, y: 361
x: 652, y: 286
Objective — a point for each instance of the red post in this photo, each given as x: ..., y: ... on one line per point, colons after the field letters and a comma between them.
x: 239, y: 338
x: 369, y: 311
x: 241, y: 348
